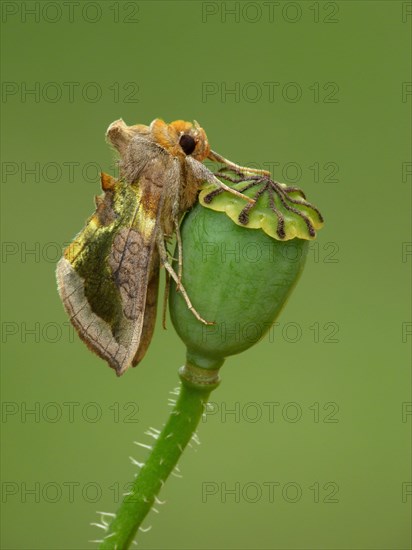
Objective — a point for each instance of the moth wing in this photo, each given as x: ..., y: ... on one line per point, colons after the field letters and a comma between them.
x: 103, y: 275
x: 164, y: 173
x: 150, y: 309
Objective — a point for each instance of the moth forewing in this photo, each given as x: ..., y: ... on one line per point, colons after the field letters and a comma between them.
x: 104, y: 274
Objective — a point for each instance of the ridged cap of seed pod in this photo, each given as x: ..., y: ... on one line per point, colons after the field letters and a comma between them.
x: 240, y: 265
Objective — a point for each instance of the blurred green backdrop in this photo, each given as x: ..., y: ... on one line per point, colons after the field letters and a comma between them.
x: 308, y: 443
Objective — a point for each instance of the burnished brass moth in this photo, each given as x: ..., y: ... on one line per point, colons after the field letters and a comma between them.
x: 108, y: 276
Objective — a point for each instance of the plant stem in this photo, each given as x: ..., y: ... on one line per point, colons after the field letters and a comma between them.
x: 195, y: 389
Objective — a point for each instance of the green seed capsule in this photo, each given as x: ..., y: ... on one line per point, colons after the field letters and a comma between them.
x: 237, y: 277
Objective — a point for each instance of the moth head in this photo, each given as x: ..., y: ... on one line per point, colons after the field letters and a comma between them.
x: 181, y: 138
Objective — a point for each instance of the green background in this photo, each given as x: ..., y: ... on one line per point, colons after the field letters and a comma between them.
x: 356, y: 277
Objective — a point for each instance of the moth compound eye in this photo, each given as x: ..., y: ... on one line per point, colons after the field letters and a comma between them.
x: 187, y: 143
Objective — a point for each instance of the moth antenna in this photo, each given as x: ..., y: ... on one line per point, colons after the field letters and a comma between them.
x: 203, y: 175
x: 236, y: 168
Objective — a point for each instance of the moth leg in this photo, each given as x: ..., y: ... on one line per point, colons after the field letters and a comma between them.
x: 190, y: 307
x: 235, y: 167
x: 202, y: 174
x: 180, y: 253
x: 172, y: 273
x: 165, y: 299
x: 211, y: 178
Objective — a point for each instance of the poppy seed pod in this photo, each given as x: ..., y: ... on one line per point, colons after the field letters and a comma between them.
x: 241, y: 262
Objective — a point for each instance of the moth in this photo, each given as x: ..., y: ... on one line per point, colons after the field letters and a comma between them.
x: 108, y: 276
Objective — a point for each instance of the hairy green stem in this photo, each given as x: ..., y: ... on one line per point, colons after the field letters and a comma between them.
x: 195, y: 389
